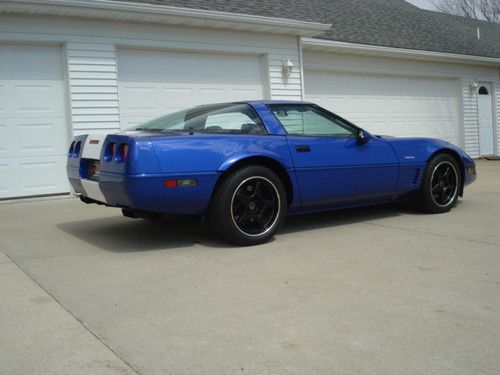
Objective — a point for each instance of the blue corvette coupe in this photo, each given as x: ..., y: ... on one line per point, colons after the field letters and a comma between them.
x: 246, y: 165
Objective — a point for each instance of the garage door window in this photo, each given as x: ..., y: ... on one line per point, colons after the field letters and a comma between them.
x: 310, y: 121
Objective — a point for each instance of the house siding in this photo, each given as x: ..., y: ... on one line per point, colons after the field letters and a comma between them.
x: 470, y: 119
x: 93, y: 69
x: 93, y: 86
x: 496, y: 118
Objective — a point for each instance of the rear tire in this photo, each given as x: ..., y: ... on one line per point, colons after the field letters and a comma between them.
x: 440, y: 186
x: 249, y: 206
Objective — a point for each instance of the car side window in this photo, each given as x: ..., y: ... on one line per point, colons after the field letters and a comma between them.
x: 232, y: 118
x: 231, y: 122
x: 307, y: 120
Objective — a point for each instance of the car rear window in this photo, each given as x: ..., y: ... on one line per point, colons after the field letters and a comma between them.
x: 223, y: 118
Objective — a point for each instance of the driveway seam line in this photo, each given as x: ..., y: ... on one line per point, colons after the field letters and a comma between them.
x: 433, y: 234
x: 70, y: 313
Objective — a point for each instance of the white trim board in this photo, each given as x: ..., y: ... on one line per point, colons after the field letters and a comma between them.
x: 151, y: 13
x: 321, y: 45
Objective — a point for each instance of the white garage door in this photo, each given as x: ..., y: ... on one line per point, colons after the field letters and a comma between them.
x: 153, y: 83
x: 33, y: 130
x: 390, y: 105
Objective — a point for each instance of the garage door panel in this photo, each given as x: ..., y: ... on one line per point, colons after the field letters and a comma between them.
x: 3, y: 99
x: 36, y: 138
x: 33, y: 127
x: 4, y: 139
x: 393, y: 105
x: 31, y: 62
x: 176, y: 97
x: 211, y: 95
x: 33, y: 99
x: 38, y: 175
x: 154, y: 83
x: 6, y: 181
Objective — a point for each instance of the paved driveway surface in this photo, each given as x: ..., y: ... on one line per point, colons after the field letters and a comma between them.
x: 375, y: 291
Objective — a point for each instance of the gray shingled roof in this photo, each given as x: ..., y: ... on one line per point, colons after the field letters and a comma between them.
x: 390, y: 23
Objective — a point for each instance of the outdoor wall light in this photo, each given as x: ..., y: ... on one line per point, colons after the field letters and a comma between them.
x: 287, y: 67
x: 474, y: 85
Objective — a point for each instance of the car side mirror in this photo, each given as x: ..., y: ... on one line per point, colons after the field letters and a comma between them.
x: 362, y: 138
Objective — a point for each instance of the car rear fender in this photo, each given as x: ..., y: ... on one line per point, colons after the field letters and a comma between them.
x: 234, y: 159
x: 276, y: 163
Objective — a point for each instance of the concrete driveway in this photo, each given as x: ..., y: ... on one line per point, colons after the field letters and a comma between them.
x: 378, y: 290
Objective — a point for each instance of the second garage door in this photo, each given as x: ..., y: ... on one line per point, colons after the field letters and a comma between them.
x: 390, y: 105
x: 153, y: 83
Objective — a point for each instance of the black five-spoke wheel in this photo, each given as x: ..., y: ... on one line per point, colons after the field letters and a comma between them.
x: 441, y: 184
x: 444, y: 183
x: 255, y: 206
x: 249, y: 206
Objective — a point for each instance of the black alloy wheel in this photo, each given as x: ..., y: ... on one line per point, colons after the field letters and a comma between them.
x: 444, y: 183
x: 255, y: 206
x: 440, y: 186
x: 249, y: 205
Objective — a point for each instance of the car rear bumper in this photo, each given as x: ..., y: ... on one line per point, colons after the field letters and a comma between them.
x: 148, y: 192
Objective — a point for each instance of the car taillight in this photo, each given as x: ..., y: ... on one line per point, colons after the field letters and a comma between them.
x: 76, y: 151
x: 109, y: 154
x: 117, y: 152
x: 124, y: 151
x: 71, y: 149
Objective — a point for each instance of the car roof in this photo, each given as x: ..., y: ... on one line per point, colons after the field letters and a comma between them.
x: 268, y: 102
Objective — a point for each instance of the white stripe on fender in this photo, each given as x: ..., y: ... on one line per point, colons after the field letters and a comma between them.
x: 92, y: 190
x: 93, y: 146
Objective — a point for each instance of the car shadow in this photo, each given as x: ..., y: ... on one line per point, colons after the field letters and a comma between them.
x: 332, y: 219
x: 119, y: 234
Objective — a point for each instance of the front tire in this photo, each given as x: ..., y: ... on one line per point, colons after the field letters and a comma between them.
x: 249, y: 206
x: 440, y: 185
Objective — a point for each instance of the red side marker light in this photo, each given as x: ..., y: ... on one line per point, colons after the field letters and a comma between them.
x: 170, y: 183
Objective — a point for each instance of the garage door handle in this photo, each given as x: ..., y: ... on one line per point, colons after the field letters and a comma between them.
x: 303, y: 148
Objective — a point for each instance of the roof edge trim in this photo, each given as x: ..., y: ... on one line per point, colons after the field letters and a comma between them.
x: 317, y: 44
x: 128, y: 11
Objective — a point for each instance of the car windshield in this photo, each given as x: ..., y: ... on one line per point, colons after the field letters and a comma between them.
x: 219, y: 118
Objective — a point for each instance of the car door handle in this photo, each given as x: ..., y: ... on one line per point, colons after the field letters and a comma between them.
x: 303, y: 148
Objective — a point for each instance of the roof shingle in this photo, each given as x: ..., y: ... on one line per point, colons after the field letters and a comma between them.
x: 389, y: 23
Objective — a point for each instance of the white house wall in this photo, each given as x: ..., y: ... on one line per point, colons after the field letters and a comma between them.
x: 496, y: 115
x: 92, y: 68
x: 464, y: 74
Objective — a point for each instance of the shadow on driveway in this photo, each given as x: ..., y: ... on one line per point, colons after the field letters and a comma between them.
x: 120, y: 234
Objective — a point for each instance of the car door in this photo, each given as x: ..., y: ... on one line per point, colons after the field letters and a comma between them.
x: 332, y: 165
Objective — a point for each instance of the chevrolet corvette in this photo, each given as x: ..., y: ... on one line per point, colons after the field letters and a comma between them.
x: 246, y: 165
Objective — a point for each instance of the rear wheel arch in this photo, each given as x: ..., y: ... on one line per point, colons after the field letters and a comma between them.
x: 263, y: 161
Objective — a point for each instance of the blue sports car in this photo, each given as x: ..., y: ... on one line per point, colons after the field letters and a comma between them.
x: 246, y: 165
